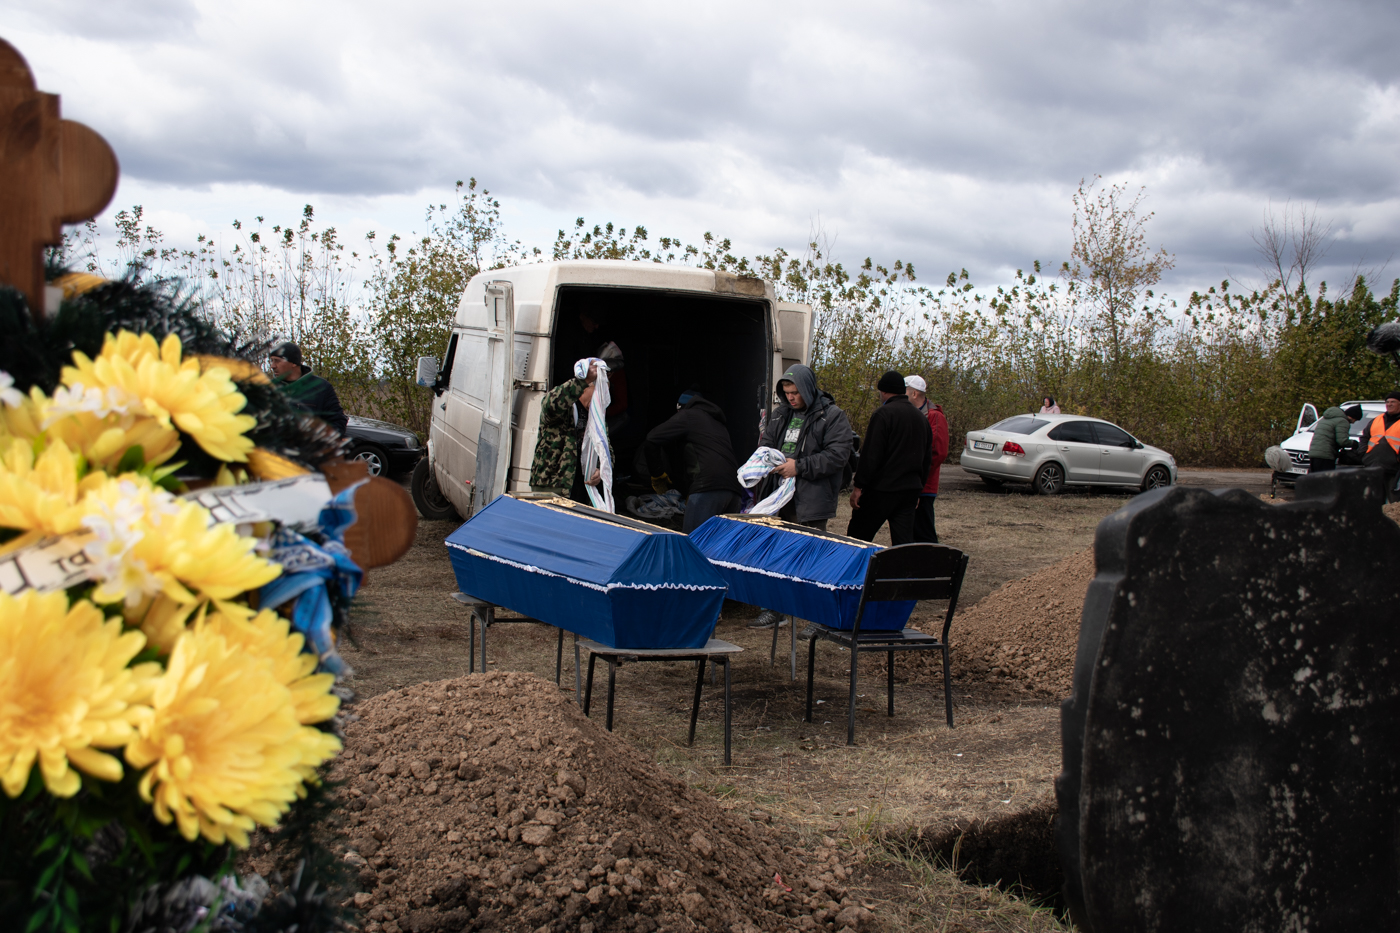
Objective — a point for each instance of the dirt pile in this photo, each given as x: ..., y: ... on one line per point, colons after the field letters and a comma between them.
x: 1024, y: 634
x: 489, y: 802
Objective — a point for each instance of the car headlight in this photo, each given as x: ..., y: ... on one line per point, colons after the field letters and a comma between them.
x: 411, y: 441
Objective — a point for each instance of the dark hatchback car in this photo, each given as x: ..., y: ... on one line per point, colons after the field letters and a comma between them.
x: 387, y: 449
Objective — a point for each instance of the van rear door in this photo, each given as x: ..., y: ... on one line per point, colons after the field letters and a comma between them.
x: 794, y: 333
x: 493, y: 440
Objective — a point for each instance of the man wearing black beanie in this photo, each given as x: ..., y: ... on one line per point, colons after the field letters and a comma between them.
x: 894, y: 463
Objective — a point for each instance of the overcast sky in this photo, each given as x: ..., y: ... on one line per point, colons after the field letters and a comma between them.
x: 947, y: 134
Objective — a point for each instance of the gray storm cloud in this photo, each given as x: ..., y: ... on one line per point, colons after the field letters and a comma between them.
x: 949, y: 134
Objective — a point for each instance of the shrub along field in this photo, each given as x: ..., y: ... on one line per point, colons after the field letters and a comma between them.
x: 1215, y: 377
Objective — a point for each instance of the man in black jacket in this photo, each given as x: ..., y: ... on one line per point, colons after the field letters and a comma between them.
x: 894, y: 463
x: 708, y: 458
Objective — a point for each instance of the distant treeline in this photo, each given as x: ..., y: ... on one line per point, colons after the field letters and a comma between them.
x: 1214, y: 379
x: 1214, y: 383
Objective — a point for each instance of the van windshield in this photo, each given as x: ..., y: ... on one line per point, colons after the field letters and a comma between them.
x: 668, y: 342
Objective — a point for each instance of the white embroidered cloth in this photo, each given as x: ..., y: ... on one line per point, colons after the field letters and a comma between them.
x: 762, y: 462
x: 595, y: 453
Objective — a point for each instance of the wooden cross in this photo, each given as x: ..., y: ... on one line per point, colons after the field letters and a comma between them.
x: 52, y: 172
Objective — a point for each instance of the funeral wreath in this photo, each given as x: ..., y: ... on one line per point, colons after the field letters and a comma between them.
x: 173, y: 578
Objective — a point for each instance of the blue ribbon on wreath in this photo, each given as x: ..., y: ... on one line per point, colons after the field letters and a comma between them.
x: 309, y: 570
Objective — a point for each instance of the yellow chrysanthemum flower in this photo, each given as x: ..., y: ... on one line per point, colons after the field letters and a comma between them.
x: 146, y: 541
x: 269, y: 636
x: 161, y: 619
x: 135, y: 377
x: 223, y: 746
x: 41, y: 493
x: 65, y: 691
x: 23, y: 416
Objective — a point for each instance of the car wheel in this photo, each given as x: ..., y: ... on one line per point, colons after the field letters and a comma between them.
x: 432, y: 504
x: 1049, y: 480
x: 1156, y: 478
x: 374, y: 456
x: 992, y: 482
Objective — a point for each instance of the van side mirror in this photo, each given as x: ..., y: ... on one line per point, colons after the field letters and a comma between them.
x: 427, y: 372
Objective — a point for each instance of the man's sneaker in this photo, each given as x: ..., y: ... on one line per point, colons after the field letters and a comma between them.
x: 767, y: 619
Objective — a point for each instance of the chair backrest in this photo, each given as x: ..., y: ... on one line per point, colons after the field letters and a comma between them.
x: 914, y: 571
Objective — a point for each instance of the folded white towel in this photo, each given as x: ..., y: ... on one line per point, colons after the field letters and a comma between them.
x: 760, y: 464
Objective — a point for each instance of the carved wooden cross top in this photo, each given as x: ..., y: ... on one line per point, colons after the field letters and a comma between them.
x: 52, y: 172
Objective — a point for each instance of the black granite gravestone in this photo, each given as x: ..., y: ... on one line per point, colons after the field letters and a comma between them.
x: 1231, y: 743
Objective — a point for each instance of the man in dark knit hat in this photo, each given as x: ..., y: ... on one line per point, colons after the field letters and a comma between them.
x: 894, y: 464
x: 307, y: 390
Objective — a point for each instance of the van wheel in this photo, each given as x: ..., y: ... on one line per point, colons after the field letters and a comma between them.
x: 432, y: 504
x: 1049, y: 480
x: 1156, y: 478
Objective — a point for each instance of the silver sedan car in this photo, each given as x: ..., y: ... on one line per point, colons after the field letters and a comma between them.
x: 1054, y: 451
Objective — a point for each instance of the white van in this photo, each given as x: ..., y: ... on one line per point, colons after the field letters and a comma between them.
x: 517, y: 333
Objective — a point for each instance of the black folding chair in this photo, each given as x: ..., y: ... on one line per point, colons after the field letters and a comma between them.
x: 897, y: 574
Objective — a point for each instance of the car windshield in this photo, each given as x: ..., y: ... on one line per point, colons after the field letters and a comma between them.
x: 1019, y: 424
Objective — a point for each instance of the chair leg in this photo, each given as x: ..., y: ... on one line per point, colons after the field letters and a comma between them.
x: 890, y: 665
x: 612, y: 689
x: 811, y: 672
x: 948, y: 684
x: 851, y: 715
x: 773, y: 651
x: 727, y: 717
x: 588, y: 691
x: 695, y: 705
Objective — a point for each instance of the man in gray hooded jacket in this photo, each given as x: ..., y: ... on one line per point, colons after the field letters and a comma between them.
x: 1331, y: 436
x: 815, y: 435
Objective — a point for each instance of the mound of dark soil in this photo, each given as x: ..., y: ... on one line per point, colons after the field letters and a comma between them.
x: 489, y: 802
x: 1024, y: 634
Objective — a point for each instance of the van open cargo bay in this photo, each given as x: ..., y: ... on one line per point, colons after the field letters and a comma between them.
x: 518, y: 332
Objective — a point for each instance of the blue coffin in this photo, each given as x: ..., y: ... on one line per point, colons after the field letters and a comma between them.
x: 796, y: 570
x: 619, y: 582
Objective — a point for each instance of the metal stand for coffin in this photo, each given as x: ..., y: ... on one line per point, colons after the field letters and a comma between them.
x: 772, y: 587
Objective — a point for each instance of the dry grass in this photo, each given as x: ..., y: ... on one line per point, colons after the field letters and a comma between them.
x: 908, y: 771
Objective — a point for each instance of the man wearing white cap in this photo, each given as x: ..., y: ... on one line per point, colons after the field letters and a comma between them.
x: 916, y: 389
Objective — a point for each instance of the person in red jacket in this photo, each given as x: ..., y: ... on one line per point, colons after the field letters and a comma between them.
x: 916, y: 389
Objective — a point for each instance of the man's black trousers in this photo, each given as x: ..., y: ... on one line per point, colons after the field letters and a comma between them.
x: 876, y: 508
x: 925, y: 530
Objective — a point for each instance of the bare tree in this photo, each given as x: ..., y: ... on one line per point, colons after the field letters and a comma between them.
x: 1111, y: 261
x: 1291, y: 247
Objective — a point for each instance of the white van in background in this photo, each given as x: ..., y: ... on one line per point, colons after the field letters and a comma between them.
x: 518, y: 332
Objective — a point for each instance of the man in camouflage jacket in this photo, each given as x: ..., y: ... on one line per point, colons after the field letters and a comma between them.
x: 563, y: 419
